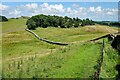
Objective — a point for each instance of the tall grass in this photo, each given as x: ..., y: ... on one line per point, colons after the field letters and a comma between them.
x: 109, y: 62
x: 66, y: 62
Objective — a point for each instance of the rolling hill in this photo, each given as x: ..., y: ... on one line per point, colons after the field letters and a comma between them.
x: 25, y: 56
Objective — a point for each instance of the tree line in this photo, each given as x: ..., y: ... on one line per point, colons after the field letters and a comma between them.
x: 108, y: 23
x: 45, y: 21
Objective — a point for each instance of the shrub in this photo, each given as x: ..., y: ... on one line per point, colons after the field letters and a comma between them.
x: 3, y: 18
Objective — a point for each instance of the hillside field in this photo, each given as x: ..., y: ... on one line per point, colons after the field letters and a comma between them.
x: 24, y: 56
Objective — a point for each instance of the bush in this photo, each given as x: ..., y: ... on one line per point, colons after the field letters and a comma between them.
x: 3, y: 18
x: 31, y: 24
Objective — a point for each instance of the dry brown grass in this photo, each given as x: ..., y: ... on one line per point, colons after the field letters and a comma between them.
x: 100, y: 28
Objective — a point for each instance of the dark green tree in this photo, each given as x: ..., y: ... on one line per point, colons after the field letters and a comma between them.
x: 3, y: 18
x: 31, y: 24
x: 56, y: 21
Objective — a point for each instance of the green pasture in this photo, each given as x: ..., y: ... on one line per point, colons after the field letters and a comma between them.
x: 25, y: 56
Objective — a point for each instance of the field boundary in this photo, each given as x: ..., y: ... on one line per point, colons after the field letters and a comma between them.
x: 97, y: 72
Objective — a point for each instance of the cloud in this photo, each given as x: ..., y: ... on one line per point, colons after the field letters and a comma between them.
x: 92, y: 12
x: 32, y: 6
x: 98, y: 9
x: 95, y: 9
x: 16, y: 13
x: 110, y: 13
x: 69, y: 10
x: 92, y: 9
x: 58, y: 7
x: 45, y: 8
x: 3, y: 7
x: 75, y: 5
x: 45, y: 5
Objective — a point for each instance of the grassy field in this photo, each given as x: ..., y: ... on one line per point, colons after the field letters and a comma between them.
x: 109, y: 62
x: 25, y: 56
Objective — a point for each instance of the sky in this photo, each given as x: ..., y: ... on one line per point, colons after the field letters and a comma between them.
x: 99, y: 11
x: 60, y: 0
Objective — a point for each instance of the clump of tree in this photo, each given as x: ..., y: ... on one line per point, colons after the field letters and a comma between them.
x: 45, y: 21
x: 3, y: 18
x: 87, y: 22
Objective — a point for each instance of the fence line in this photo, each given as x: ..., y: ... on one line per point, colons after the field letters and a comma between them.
x: 97, y: 72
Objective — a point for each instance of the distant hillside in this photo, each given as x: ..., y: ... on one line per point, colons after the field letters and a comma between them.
x: 108, y: 23
x: 23, y: 17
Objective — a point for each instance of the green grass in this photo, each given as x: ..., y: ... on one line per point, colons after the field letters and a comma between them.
x: 67, y: 35
x: 25, y: 56
x: 21, y: 45
x: 13, y: 25
x: 109, y: 62
x: 71, y: 62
